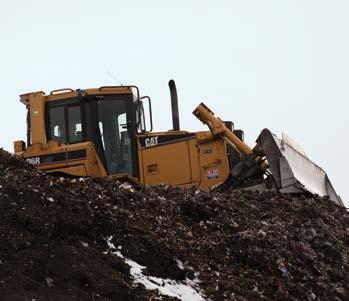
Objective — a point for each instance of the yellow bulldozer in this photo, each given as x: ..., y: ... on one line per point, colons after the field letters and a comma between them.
x: 108, y: 131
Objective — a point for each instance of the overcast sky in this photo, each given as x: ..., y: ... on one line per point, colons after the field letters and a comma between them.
x: 278, y: 64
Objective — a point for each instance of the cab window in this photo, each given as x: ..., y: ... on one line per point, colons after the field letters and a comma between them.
x: 57, y: 124
x: 65, y: 124
x: 74, y: 124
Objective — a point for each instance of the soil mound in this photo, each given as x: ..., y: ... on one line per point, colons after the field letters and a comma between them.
x: 98, y: 239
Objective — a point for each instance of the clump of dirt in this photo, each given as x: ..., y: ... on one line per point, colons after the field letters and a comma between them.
x: 237, y: 246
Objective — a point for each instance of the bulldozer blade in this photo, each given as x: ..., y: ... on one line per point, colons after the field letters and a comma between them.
x: 291, y: 169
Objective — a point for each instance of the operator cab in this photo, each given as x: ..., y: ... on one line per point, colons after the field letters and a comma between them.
x: 108, y: 117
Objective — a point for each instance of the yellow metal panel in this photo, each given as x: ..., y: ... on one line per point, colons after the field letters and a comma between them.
x: 214, y: 164
x: 78, y: 170
x: 19, y: 146
x: 194, y: 162
x: 168, y: 164
x: 69, y: 93
x: 92, y: 166
x: 37, y: 118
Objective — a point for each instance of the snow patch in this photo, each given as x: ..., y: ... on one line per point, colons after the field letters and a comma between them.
x: 185, y: 291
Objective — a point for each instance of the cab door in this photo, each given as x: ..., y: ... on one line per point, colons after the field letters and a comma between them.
x: 117, y: 133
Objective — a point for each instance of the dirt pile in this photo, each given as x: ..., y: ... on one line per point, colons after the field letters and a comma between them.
x: 82, y: 239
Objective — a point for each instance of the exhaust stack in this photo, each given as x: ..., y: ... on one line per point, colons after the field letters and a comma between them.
x: 174, y: 105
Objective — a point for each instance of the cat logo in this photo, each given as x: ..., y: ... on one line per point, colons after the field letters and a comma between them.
x: 34, y: 160
x: 152, y: 141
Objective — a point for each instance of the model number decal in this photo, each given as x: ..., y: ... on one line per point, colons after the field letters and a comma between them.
x: 152, y: 141
x: 34, y: 160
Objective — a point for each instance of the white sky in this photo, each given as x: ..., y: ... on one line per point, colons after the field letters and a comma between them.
x: 283, y: 65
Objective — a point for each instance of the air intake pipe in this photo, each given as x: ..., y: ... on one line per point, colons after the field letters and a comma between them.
x: 174, y: 105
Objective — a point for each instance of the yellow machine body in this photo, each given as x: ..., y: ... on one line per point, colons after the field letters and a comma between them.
x: 184, y: 160
x: 177, y: 158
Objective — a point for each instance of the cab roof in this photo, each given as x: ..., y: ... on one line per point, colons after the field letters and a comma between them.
x: 70, y: 93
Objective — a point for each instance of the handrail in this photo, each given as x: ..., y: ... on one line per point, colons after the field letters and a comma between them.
x: 61, y: 91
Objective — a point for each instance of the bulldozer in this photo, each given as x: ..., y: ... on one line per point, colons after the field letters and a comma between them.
x: 108, y: 131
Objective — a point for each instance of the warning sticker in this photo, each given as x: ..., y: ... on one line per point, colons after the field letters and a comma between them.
x: 212, y: 173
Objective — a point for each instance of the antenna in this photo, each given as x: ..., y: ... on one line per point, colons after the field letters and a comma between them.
x: 111, y: 75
